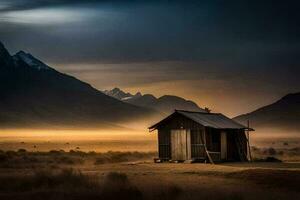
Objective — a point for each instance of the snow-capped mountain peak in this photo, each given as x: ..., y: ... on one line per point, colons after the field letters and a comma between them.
x: 31, y: 61
x: 165, y: 104
x: 121, y: 95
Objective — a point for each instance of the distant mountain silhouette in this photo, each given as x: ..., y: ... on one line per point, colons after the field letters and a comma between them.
x: 165, y: 104
x: 283, y: 114
x: 34, y: 94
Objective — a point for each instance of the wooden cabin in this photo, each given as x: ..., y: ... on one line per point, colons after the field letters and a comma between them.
x: 201, y: 136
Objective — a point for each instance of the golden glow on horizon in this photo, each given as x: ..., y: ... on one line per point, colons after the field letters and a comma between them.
x: 59, y: 135
x: 104, y: 140
x: 214, y: 94
x: 217, y: 94
x: 78, y: 140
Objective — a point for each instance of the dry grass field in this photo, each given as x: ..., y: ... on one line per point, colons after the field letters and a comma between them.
x: 133, y: 175
x: 122, y: 168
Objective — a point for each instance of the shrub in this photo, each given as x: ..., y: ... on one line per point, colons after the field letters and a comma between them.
x: 116, y: 157
x: 116, y: 177
x: 271, y: 151
x: 117, y: 186
x: 56, y: 152
x: 66, y: 177
x: 254, y: 148
x: 3, y: 157
x: 69, y: 160
x: 22, y: 151
x: 267, y: 159
x: 77, y: 153
x: 45, y: 179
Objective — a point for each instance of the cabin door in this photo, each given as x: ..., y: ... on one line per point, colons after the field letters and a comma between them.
x: 180, y: 144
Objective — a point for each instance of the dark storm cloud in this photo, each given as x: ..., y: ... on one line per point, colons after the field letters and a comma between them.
x: 245, y: 43
x: 171, y: 31
x: 10, y: 5
x: 229, y: 34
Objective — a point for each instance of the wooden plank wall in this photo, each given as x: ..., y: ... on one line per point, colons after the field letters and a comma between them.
x: 197, y: 144
x: 180, y: 144
x: 181, y: 122
x: 164, y: 144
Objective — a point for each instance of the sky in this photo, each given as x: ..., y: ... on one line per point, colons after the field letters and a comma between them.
x: 230, y: 56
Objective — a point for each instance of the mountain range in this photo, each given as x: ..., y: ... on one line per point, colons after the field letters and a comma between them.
x: 33, y: 94
x: 36, y: 95
x: 165, y: 104
x: 283, y: 114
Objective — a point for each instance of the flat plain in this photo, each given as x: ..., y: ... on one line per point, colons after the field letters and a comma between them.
x: 123, y: 168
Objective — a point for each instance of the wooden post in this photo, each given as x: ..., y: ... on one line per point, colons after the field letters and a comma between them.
x: 223, y: 145
x: 207, y: 153
x: 186, y: 144
x: 248, y: 140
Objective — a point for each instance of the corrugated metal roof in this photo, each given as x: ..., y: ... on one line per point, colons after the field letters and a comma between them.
x: 213, y: 120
